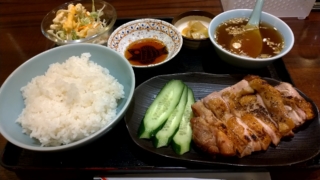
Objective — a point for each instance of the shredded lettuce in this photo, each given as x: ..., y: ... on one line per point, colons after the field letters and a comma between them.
x: 83, y: 22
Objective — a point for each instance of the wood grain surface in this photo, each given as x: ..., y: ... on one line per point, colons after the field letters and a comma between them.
x: 21, y: 39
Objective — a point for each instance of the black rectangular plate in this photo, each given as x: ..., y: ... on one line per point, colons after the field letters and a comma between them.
x: 304, y: 146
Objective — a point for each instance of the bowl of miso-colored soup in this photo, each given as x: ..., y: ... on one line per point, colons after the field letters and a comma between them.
x: 277, y: 39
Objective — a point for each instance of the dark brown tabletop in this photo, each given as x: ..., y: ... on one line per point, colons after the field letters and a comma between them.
x: 21, y: 39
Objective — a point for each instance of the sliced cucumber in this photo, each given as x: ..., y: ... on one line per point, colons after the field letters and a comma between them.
x: 182, y: 139
x: 161, y: 108
x: 164, y: 136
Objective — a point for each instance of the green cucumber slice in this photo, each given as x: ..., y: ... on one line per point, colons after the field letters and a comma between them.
x: 161, y: 108
x: 164, y: 136
x: 182, y: 139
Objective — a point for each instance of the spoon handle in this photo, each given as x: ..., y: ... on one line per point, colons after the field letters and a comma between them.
x: 255, y: 16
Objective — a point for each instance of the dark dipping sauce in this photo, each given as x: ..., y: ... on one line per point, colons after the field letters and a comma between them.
x: 272, y: 40
x: 146, y: 52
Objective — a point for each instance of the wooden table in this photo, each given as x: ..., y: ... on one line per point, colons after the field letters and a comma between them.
x: 21, y: 39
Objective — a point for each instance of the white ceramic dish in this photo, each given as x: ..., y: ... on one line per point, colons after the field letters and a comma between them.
x: 146, y: 28
x: 12, y: 103
x: 246, y: 62
x: 181, y: 21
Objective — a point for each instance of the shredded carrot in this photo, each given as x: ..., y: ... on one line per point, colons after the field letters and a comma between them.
x: 75, y: 21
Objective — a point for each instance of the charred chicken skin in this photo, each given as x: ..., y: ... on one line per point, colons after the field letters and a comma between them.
x: 247, y: 117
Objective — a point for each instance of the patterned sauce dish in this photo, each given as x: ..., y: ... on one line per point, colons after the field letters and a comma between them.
x: 146, y: 42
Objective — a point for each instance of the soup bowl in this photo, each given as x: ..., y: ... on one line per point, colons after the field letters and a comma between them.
x: 245, y: 61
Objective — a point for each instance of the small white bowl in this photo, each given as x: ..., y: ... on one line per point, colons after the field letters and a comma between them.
x: 181, y: 21
x: 135, y: 30
x: 247, y: 62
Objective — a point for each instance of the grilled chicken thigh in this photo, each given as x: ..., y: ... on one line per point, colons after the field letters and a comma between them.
x: 298, y: 108
x: 247, y: 117
x: 274, y: 104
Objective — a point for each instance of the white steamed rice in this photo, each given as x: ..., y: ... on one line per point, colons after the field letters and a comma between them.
x: 72, y: 100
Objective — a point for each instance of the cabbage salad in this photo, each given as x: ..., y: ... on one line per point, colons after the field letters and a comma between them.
x: 76, y: 22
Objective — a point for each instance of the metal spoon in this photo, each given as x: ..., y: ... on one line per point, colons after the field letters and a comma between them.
x: 249, y: 42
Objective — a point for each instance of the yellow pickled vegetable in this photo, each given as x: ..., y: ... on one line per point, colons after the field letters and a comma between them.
x: 195, y: 30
